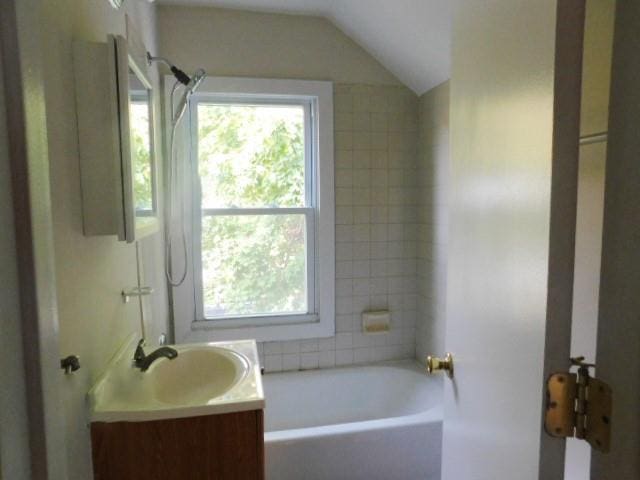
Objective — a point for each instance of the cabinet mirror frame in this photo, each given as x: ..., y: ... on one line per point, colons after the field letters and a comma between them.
x: 137, y: 223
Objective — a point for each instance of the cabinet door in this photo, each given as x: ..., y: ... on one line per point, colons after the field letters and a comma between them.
x: 220, y: 447
x: 114, y: 99
x: 99, y: 138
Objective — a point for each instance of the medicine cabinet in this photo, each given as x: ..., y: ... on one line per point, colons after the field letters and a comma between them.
x: 114, y: 103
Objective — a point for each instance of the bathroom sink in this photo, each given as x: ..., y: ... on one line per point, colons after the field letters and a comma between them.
x: 204, y: 379
x: 197, y: 375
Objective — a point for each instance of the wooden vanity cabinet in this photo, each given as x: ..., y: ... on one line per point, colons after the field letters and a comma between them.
x: 212, y: 447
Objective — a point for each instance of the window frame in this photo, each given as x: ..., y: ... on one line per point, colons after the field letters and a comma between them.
x: 317, y: 99
x: 309, y: 210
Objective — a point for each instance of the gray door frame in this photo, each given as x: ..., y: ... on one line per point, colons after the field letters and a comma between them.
x: 32, y: 344
x: 618, y: 347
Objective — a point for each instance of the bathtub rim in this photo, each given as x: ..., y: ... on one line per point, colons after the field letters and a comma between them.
x: 432, y: 416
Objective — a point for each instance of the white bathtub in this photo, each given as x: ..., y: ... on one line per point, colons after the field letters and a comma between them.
x: 366, y: 422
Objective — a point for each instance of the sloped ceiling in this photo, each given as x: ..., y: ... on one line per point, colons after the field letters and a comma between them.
x: 411, y: 38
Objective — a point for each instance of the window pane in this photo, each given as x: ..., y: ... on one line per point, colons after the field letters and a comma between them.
x: 253, y: 264
x: 141, y: 155
x: 251, y: 155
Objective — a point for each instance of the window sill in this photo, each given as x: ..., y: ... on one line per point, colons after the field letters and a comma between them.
x: 305, y: 326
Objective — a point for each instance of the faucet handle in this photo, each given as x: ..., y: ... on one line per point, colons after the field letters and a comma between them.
x: 139, y: 353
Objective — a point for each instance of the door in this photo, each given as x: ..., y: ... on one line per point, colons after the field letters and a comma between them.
x: 515, y: 96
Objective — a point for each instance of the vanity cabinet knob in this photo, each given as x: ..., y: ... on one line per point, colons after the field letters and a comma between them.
x: 70, y: 364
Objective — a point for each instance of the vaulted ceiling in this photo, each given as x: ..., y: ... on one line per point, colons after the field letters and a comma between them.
x: 411, y: 38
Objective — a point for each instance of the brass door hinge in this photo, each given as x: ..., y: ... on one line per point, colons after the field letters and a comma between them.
x: 579, y: 405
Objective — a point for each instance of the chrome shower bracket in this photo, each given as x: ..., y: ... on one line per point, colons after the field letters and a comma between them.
x: 135, y: 292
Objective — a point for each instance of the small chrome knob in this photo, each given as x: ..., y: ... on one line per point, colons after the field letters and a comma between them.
x: 435, y: 364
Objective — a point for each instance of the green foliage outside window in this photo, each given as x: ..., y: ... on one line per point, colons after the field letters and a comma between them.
x: 252, y: 157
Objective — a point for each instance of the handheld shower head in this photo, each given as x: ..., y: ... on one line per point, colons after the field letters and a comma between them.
x: 190, y: 88
x: 174, y: 179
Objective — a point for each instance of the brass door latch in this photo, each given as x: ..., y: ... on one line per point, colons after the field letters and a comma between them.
x: 435, y: 364
x: 579, y: 406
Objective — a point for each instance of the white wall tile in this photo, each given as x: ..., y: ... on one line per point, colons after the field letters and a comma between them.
x: 361, y: 251
x: 273, y: 363
x: 361, y: 269
x: 272, y: 348
x: 361, y: 214
x: 327, y: 359
x: 344, y: 357
x: 344, y: 287
x: 290, y: 346
x: 291, y: 361
x: 362, y: 158
x: 362, y: 355
x: 309, y: 360
x: 344, y: 306
x: 344, y: 341
x: 310, y: 345
x: 361, y: 286
x: 344, y: 323
x: 326, y: 344
x: 344, y: 159
x: 362, y: 340
x: 344, y: 269
x: 361, y: 233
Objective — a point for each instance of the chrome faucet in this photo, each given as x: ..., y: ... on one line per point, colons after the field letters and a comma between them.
x: 143, y: 362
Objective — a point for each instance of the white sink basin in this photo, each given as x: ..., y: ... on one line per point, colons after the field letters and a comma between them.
x: 204, y: 379
x: 197, y: 376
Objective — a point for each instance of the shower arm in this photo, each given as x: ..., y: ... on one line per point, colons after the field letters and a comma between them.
x: 182, y: 77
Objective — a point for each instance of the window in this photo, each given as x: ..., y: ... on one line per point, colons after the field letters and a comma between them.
x: 261, y: 197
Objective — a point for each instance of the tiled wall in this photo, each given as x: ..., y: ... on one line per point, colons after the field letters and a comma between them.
x: 376, y: 177
x: 433, y: 168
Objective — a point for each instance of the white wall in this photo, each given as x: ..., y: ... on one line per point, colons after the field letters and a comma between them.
x: 433, y: 224
x: 90, y: 271
x: 247, y: 44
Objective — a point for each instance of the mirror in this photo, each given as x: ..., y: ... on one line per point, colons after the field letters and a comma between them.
x: 135, y: 99
x: 141, y: 146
